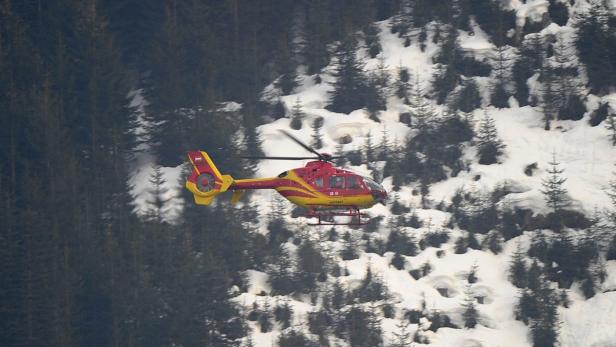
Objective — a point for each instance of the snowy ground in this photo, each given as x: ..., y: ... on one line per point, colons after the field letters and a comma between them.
x: 583, y: 151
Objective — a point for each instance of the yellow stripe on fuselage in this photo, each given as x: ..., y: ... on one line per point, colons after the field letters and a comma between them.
x: 323, y: 200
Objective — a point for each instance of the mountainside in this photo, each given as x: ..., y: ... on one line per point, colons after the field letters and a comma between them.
x: 492, y: 125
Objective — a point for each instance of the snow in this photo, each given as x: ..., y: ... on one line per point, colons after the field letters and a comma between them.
x: 583, y: 151
x: 590, y: 321
x: 142, y: 167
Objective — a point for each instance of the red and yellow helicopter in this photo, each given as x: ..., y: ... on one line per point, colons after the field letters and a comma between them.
x: 326, y: 191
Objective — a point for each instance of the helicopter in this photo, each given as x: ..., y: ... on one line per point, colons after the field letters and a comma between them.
x: 324, y: 190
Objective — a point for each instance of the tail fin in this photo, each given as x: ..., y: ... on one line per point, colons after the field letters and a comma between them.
x: 205, y: 182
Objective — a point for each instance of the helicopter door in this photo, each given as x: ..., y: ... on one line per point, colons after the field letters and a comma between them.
x: 352, y: 184
x: 335, y: 187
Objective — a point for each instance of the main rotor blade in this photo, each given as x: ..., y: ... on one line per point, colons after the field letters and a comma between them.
x: 305, y: 146
x: 278, y: 158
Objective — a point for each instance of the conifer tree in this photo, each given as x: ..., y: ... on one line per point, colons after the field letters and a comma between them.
x: 402, y: 335
x: 286, y: 67
x: 158, y: 200
x: 534, y: 276
x: 385, y: 146
x: 494, y: 242
x: 265, y: 318
x: 283, y: 313
x: 517, y: 270
x: 377, y: 90
x: 489, y: 145
x: 251, y: 145
x: 611, y: 250
x: 403, y: 84
x: 500, y: 94
x: 349, y: 89
x: 349, y: 251
x: 371, y: 36
x: 293, y: 338
x: 403, y: 22
x: 368, y: 149
x: 611, y: 192
x: 317, y: 138
x: 544, y: 329
x: 610, y: 124
x: 424, y: 114
x: 553, y: 190
x: 594, y: 41
x: 468, y: 98
x: 470, y: 315
x: 447, y: 77
x: 461, y: 246
x: 472, y: 274
x: 297, y: 115
x: 563, y: 94
x: 398, y: 261
x: 318, y: 35
x: 340, y: 154
x: 310, y: 263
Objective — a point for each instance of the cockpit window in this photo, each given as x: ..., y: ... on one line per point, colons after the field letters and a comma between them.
x: 336, y: 182
x: 352, y: 182
x: 372, y: 185
x: 283, y: 174
x: 319, y: 182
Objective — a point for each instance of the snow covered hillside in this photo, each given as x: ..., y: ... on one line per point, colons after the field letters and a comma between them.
x: 427, y: 293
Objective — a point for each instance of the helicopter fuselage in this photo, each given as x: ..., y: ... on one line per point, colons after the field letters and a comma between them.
x: 320, y: 185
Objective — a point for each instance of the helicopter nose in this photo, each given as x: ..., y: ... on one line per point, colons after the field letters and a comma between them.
x: 380, y: 196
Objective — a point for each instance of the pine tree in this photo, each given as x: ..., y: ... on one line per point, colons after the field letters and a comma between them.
x: 265, y: 318
x: 310, y: 263
x: 293, y: 338
x: 472, y: 274
x: 371, y: 36
x: 318, y: 35
x: 461, y: 246
x: 564, y: 91
x: 402, y: 335
x: 535, y: 275
x: 611, y: 250
x: 470, y: 315
x: 368, y: 149
x: 544, y: 329
x: 489, y: 145
x: 610, y: 124
x: 283, y: 313
x: 402, y: 85
x: 158, y: 200
x: 376, y: 91
x: 500, y: 94
x: 555, y: 194
x: 349, y: 251
x: 517, y: 270
x: 494, y: 242
x: 468, y: 98
x: 398, y: 261
x: 297, y: 115
x: 594, y: 41
x: 423, y: 113
x: 403, y: 22
x: 611, y: 192
x: 349, y: 89
x: 317, y: 138
x: 286, y: 67
x: 385, y: 146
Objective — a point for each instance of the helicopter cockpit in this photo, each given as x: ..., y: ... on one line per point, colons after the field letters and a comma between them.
x: 377, y: 190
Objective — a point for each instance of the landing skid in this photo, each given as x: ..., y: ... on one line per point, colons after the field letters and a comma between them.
x: 353, y: 212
